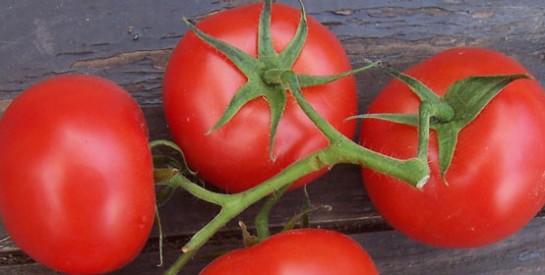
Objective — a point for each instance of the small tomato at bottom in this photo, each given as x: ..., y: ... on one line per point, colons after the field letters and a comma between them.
x: 76, y: 175
x: 297, y: 252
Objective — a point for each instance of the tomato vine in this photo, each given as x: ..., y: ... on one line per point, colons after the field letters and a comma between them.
x: 270, y: 75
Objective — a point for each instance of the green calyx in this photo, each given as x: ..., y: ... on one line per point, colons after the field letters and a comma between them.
x: 449, y: 114
x: 264, y: 73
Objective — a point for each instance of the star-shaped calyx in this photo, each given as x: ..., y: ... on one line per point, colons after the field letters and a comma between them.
x: 264, y: 73
x: 447, y: 115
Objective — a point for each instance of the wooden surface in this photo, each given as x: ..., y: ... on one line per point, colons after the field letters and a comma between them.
x: 130, y: 42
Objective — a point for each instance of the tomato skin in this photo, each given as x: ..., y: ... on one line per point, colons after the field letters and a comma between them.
x: 302, y: 251
x: 76, y: 175
x: 495, y: 183
x: 199, y: 83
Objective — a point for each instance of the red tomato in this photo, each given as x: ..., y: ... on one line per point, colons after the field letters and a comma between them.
x: 199, y: 83
x: 76, y: 175
x: 495, y: 183
x: 303, y: 251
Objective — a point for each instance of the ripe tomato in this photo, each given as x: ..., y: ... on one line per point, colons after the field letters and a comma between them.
x: 199, y: 83
x: 495, y: 183
x: 303, y: 251
x: 76, y: 175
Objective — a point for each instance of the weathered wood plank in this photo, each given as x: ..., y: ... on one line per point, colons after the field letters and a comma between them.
x: 520, y: 254
x: 130, y: 41
x: 524, y: 253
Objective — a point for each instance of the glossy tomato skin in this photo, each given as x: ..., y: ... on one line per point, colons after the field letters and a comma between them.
x: 199, y: 83
x: 302, y: 251
x: 76, y: 175
x: 495, y: 183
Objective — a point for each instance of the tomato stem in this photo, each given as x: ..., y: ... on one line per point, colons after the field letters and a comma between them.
x: 234, y: 204
x: 414, y: 171
x: 180, y: 262
x: 161, y: 236
x: 301, y: 217
x: 424, y: 117
x: 270, y: 76
x: 198, y: 191
x: 342, y: 150
x: 261, y: 221
x: 434, y: 113
x: 305, y: 220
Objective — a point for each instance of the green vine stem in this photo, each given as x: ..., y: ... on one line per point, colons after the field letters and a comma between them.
x: 233, y: 204
x: 270, y: 76
x: 161, y: 236
x: 261, y: 221
x: 340, y: 150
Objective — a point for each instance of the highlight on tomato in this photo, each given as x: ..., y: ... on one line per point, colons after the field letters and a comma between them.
x: 76, y: 174
x: 491, y: 183
x: 301, y: 251
x: 225, y: 107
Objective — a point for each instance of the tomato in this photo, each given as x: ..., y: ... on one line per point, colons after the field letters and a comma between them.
x: 495, y: 183
x: 302, y: 251
x: 76, y: 174
x: 200, y: 82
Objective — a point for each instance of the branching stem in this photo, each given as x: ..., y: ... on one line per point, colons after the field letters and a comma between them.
x: 340, y: 150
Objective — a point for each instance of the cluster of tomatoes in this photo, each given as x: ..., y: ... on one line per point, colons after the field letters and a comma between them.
x: 77, y: 175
